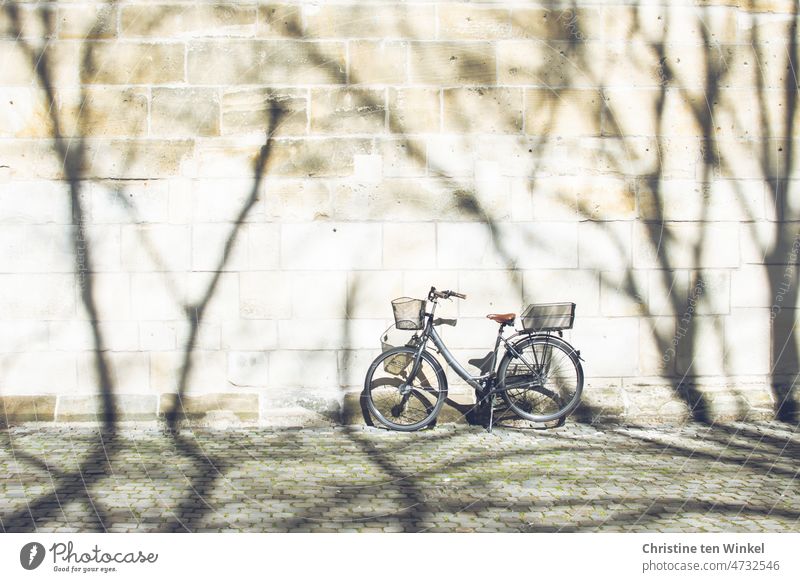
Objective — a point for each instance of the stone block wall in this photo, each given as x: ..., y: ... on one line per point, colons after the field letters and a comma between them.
x: 207, y: 206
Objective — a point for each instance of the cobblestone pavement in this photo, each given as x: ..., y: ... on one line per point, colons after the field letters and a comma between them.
x: 453, y: 478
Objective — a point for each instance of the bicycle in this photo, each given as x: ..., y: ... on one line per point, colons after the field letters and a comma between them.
x: 540, y: 376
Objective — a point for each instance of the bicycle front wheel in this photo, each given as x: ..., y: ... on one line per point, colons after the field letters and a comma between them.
x: 399, y: 401
x: 545, y: 382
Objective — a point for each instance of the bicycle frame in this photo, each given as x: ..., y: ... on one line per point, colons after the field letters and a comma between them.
x: 429, y: 332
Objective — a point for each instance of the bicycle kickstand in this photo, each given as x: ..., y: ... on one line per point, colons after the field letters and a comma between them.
x: 491, y: 412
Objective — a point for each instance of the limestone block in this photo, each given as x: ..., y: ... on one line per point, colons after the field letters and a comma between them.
x: 524, y: 245
x: 129, y: 372
x: 179, y: 112
x: 313, y: 158
x: 482, y: 110
x: 673, y: 245
x: 657, y: 353
x: 330, y: 246
x: 631, y: 112
x: 241, y: 62
x: 265, y: 295
x: 25, y: 112
x: 279, y: 20
x: 573, y: 24
x: 318, y: 294
x: 27, y: 408
x: 37, y: 248
x: 488, y: 292
x: 23, y: 336
x: 353, y: 365
x: 737, y: 400
x: 672, y: 23
x: 87, y: 21
x: 28, y: 22
x: 342, y: 111
x: 157, y: 247
x: 409, y: 246
x: 38, y: 373
x: 158, y: 296
x: 297, y: 200
x: 249, y: 334
x: 610, y: 345
x: 34, y: 202
x: 468, y: 63
x: 581, y: 287
x: 219, y: 247
x: 123, y: 63
x: 186, y: 20
x: 747, y: 341
x: 263, y: 246
x: 103, y: 111
x: 111, y: 294
x: 602, y: 400
x: 750, y: 285
x: 133, y: 159
x: 370, y: 21
x: 79, y: 335
x: 63, y: 61
x: 217, y: 293
x: 624, y: 293
x: 301, y: 368
x: 655, y: 401
x: 30, y: 160
x: 719, y: 200
x: 90, y: 407
x: 194, y: 406
x: 369, y: 292
x: 117, y: 202
x: 711, y: 291
x: 545, y: 64
x: 464, y: 21
x: 207, y: 374
x: 157, y: 336
x: 207, y: 335
x: 701, y: 347
x: 451, y: 155
x: 225, y: 201
x: 668, y: 293
x: 292, y: 417
x: 248, y: 368
x: 414, y: 110
x: 565, y: 112
x: 251, y: 111
x: 403, y: 158
x: 328, y: 334
x: 37, y: 296
x: 377, y: 62
x: 392, y: 200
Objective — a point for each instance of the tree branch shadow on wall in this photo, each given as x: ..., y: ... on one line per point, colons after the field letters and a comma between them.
x: 97, y: 461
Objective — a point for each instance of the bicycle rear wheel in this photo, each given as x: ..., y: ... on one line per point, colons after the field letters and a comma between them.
x: 543, y: 384
x: 398, y: 401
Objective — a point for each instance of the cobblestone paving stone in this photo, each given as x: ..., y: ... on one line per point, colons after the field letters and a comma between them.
x: 454, y: 478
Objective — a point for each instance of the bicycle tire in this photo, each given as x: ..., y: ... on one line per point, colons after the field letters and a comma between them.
x: 380, y: 375
x: 564, y: 397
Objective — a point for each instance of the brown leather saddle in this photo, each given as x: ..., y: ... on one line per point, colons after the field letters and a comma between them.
x: 506, y: 318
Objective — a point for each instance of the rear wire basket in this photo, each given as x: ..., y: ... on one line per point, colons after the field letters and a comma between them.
x: 548, y: 316
x: 408, y: 313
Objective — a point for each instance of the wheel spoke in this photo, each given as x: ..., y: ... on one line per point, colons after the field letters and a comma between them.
x: 547, y: 391
x: 400, y: 402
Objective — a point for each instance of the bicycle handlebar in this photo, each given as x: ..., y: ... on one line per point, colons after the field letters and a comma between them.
x: 446, y: 294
